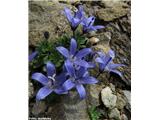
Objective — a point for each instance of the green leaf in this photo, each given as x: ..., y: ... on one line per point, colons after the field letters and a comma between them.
x: 93, y: 113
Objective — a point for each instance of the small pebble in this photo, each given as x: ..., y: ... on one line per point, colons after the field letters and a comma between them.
x: 93, y: 40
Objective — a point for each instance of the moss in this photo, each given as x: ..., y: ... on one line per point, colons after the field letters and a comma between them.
x: 94, y: 114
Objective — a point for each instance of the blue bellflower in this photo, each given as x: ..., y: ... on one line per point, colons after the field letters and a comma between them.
x: 87, y: 24
x: 75, y: 56
x: 51, y: 82
x: 77, y: 78
x: 33, y: 55
x: 75, y: 19
x: 106, y: 63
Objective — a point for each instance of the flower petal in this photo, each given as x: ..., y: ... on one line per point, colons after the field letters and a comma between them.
x: 40, y: 78
x: 73, y: 46
x: 91, y: 65
x: 68, y: 14
x: 80, y: 12
x: 84, y: 22
x: 102, y: 66
x: 68, y: 84
x: 89, y: 80
x: 82, y: 63
x: 83, y: 52
x: 114, y: 66
x: 50, y: 69
x: 61, y: 78
x: 111, y: 53
x: 90, y: 20
x: 43, y: 92
x: 60, y: 91
x: 99, y: 60
x: 94, y: 28
x: 117, y: 72
x: 101, y: 54
x: 33, y: 55
x: 63, y: 51
x: 81, y: 90
x: 98, y: 27
x: 75, y: 22
x: 69, y: 67
x: 91, y: 28
x: 81, y: 71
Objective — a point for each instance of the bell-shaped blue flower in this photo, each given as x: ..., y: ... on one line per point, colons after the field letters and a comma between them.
x: 77, y: 78
x: 51, y: 82
x: 87, y: 24
x: 106, y: 63
x: 76, y: 57
x: 33, y: 55
x: 75, y: 19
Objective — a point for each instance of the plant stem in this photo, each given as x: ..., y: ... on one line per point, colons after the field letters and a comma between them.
x: 73, y: 34
x: 100, y: 72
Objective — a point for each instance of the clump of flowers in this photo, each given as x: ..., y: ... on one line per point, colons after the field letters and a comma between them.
x: 75, y: 62
x: 51, y: 82
x: 105, y: 62
x: 74, y: 56
x: 75, y: 19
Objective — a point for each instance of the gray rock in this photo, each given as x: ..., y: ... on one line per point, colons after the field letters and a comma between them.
x: 69, y: 1
x: 108, y: 36
x: 74, y: 108
x: 121, y: 43
x: 46, y: 16
x: 128, y: 96
x: 114, y: 114
x: 102, y: 46
x: 39, y: 107
x: 31, y: 89
x: 93, y: 40
x: 112, y: 87
x: 112, y: 10
x: 68, y: 107
x: 108, y: 99
x: 105, y: 36
x: 126, y: 23
x: 120, y: 101
x: 56, y: 111
x: 92, y: 34
x: 124, y: 117
x: 94, y: 91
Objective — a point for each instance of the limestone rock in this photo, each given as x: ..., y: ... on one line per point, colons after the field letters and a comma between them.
x: 114, y: 114
x: 121, y: 43
x: 69, y: 1
x: 31, y: 89
x: 56, y: 111
x: 124, y: 117
x: 112, y: 10
x: 128, y: 96
x: 73, y: 107
x: 68, y: 107
x: 46, y: 16
x: 102, y: 46
x: 106, y: 36
x: 93, y: 40
x: 108, y: 99
x: 120, y: 102
x: 112, y: 87
x: 94, y: 94
x: 39, y: 107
